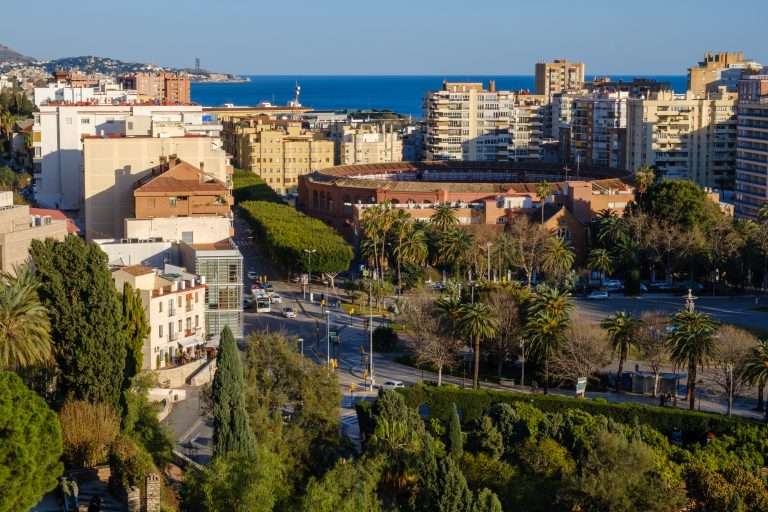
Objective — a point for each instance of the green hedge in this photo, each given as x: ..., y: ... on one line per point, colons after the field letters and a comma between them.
x: 286, y: 233
x: 365, y: 418
x: 246, y: 186
x: 474, y: 403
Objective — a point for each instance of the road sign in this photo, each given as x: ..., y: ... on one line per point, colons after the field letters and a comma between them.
x: 581, y: 386
x: 365, y: 273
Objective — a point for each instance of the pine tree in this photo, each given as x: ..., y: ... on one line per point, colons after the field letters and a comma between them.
x: 486, y: 501
x: 231, y: 429
x: 486, y: 438
x: 455, y: 442
x: 87, y: 329
x: 454, y: 494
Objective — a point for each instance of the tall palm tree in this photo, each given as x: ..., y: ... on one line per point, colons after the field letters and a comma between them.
x: 543, y: 190
x: 7, y: 120
x: 762, y: 213
x: 478, y: 321
x: 453, y: 246
x: 557, y: 256
x: 692, y: 343
x: 548, y: 320
x: 402, y: 227
x: 644, y: 178
x: 622, y: 328
x: 600, y: 260
x: 755, y: 371
x: 412, y: 248
x: 444, y: 217
x: 25, y: 338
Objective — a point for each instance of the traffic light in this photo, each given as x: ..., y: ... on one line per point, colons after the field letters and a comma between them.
x: 352, y: 387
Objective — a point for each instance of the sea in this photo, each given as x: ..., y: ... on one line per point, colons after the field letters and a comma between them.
x: 401, y: 94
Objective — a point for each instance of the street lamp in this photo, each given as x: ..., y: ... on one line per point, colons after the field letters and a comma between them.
x: 301, y: 342
x: 328, y: 338
x: 488, y: 246
x: 309, y: 269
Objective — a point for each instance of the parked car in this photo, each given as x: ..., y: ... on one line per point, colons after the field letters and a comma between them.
x: 613, y: 283
x: 598, y: 295
x: 246, y: 304
x: 392, y: 384
x: 252, y: 275
x: 659, y: 286
x: 275, y: 298
x: 288, y: 312
x: 268, y: 287
x: 643, y: 288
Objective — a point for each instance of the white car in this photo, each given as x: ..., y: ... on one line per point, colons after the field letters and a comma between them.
x: 288, y: 313
x: 597, y: 295
x: 252, y: 275
x: 392, y: 384
x: 276, y: 299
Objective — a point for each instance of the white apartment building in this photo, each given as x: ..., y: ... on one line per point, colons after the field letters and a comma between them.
x: 58, y: 135
x: 467, y: 122
x: 684, y: 136
x: 366, y: 143
x: 106, y: 92
x: 598, y: 124
x: 174, y: 304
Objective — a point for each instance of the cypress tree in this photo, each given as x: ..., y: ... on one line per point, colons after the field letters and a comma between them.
x: 454, y: 494
x: 231, y: 430
x: 455, y: 442
x: 136, y: 329
x: 87, y: 329
x: 486, y: 501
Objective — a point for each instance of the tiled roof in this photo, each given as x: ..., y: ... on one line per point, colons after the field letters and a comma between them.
x: 170, y: 184
x: 56, y: 215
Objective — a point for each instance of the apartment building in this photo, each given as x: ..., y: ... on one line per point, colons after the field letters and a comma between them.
x: 105, y: 92
x: 174, y: 305
x: 752, y: 146
x: 467, y: 122
x: 108, y: 195
x: 706, y: 76
x: 365, y: 143
x: 169, y: 87
x: 598, y: 129
x: 684, y: 136
x: 277, y: 150
x: 58, y: 135
x: 19, y: 226
x: 553, y: 77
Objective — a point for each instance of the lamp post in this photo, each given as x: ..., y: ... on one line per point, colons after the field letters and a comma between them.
x: 488, y: 246
x: 301, y: 343
x: 328, y: 338
x: 370, y: 333
x: 309, y: 270
x: 522, y: 367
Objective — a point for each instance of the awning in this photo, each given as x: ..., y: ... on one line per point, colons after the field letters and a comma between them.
x: 191, y: 341
x: 214, y: 341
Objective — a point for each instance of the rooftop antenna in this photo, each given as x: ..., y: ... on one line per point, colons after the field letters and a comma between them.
x: 296, y: 105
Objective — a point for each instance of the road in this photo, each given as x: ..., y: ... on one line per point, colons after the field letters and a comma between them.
x: 195, y: 434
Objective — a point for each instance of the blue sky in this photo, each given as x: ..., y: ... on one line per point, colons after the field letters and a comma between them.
x: 445, y: 37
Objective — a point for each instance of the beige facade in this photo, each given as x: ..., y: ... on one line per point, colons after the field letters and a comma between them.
x: 278, y: 151
x: 557, y: 76
x: 365, y: 143
x: 598, y: 129
x: 467, y: 122
x: 684, y: 136
x: 175, y: 309
x: 752, y: 147
x: 709, y: 71
x: 18, y: 228
x: 112, y: 165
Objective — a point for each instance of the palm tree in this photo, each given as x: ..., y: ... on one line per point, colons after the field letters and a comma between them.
x: 600, y: 260
x: 755, y: 371
x: 478, y: 321
x: 557, y: 256
x: 548, y: 319
x: 622, y: 328
x: 644, y: 178
x: 543, y: 190
x: 762, y: 213
x: 412, y: 248
x: 692, y: 343
x: 402, y: 227
x: 25, y: 338
x: 453, y: 246
x: 7, y: 120
x: 444, y: 217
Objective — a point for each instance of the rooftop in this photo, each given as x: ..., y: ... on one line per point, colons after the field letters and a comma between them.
x: 138, y: 270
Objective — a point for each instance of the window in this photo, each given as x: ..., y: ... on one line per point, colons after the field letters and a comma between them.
x: 85, y: 120
x: 160, y: 307
x: 150, y: 202
x: 180, y: 329
x: 68, y: 120
x: 130, y: 125
x: 178, y: 300
x: 197, y: 298
x: 172, y: 202
x: 160, y: 328
x: 197, y: 321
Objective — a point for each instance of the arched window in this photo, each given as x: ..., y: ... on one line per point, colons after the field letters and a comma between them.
x: 563, y: 232
x: 314, y: 199
x: 347, y: 203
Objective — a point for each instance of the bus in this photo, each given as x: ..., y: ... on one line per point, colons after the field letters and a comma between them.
x: 263, y: 305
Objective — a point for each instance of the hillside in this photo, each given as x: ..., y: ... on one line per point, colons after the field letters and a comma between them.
x: 9, y: 55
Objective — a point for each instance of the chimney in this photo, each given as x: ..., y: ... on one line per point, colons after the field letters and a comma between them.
x: 174, y: 286
x: 202, y: 279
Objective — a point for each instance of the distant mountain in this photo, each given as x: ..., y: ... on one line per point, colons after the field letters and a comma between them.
x: 8, y: 55
x: 91, y: 65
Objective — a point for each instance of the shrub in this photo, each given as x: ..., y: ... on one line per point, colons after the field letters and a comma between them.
x: 87, y: 431
x: 485, y: 438
x: 384, y: 339
x: 129, y: 463
x: 246, y: 186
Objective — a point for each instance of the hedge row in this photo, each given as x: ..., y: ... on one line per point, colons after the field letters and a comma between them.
x: 475, y: 403
x: 246, y: 186
x: 287, y: 233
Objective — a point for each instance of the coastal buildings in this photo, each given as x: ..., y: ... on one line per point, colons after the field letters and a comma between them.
x: 60, y: 129
x: 174, y: 306
x: 597, y: 130
x: 104, y: 92
x: 684, y: 136
x: 553, y: 77
x: 108, y: 196
x: 20, y: 224
x: 752, y: 146
x: 464, y: 121
x: 705, y: 77
x: 168, y: 87
x: 365, y: 143
x: 279, y: 151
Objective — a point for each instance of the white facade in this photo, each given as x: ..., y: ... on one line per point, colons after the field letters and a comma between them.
x: 58, y: 143
x: 106, y: 93
x: 198, y: 230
